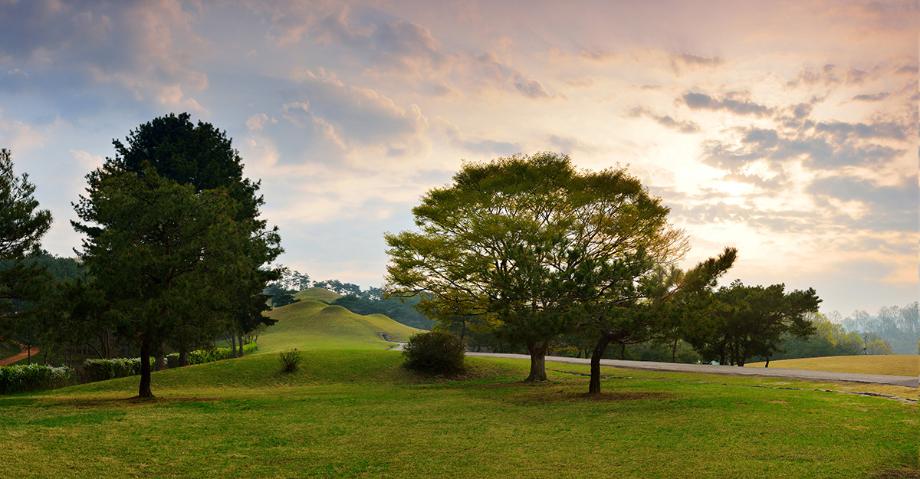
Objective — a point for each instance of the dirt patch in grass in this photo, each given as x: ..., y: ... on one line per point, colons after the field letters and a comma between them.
x: 900, y: 473
x: 567, y: 395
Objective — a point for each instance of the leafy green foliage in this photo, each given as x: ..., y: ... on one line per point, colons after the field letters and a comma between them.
x: 174, y: 238
x: 435, y: 352
x: 103, y: 369
x: 290, y: 360
x: 31, y: 377
x: 528, y: 241
x: 751, y: 321
x: 399, y: 309
x: 22, y: 226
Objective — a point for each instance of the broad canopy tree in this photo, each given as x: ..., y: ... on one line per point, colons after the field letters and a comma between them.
x: 527, y: 242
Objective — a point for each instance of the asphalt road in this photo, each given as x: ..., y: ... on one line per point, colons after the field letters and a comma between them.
x: 908, y: 381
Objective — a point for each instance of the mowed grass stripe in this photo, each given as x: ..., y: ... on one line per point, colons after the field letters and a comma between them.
x: 894, y: 364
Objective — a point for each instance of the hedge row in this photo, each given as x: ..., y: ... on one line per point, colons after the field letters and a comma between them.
x: 29, y: 377
x: 102, y: 369
x: 201, y: 356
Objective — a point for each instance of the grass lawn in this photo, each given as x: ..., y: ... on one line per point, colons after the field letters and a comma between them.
x: 894, y: 364
x: 318, y: 294
x: 352, y: 411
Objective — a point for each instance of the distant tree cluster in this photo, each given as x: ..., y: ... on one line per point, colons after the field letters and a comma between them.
x: 371, y: 300
x: 896, y: 325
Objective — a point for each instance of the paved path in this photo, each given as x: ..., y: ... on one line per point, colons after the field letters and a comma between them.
x: 908, y: 381
x: 22, y: 354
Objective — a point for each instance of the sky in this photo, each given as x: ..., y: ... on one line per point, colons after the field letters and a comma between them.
x: 787, y: 129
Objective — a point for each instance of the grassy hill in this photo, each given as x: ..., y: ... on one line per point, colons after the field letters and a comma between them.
x: 310, y: 324
x: 894, y: 364
x: 318, y: 294
x: 352, y: 411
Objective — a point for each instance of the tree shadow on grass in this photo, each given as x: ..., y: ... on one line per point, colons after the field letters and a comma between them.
x: 120, y: 401
x: 899, y: 473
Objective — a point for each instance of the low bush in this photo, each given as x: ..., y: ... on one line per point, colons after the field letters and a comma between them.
x: 30, y: 377
x: 435, y: 353
x: 290, y: 360
x: 102, y: 369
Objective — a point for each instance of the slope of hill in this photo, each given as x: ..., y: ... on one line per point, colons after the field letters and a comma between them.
x: 894, y: 364
x: 317, y: 294
x: 310, y: 324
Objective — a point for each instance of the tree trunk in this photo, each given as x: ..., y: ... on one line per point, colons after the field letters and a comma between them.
x: 159, y: 363
x: 623, y: 350
x: 767, y: 364
x: 183, y: 357
x: 233, y: 343
x: 594, y: 386
x: 144, y: 389
x: 240, y: 342
x: 674, y: 351
x: 537, y: 362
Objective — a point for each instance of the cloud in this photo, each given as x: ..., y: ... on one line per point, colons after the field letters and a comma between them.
x: 568, y: 144
x: 355, y: 115
x: 831, y: 75
x: 144, y: 48
x: 891, y: 207
x: 821, y: 147
x: 20, y: 136
x: 483, y: 146
x: 840, y: 130
x: 872, y: 97
x: 379, y: 37
x: 682, y: 61
x: 499, y: 73
x: 731, y: 103
x: 683, y: 126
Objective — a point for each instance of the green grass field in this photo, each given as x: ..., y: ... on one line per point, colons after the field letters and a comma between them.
x: 352, y: 411
x: 895, y: 364
x: 318, y: 294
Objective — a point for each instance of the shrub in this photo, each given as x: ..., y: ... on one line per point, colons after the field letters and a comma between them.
x: 102, y: 369
x: 290, y: 360
x: 29, y: 377
x: 434, y: 353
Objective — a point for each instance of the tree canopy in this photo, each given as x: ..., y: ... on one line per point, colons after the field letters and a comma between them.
x: 22, y: 225
x: 174, y: 238
x: 527, y: 241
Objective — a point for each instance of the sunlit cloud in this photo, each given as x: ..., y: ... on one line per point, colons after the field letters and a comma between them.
x: 756, y: 127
